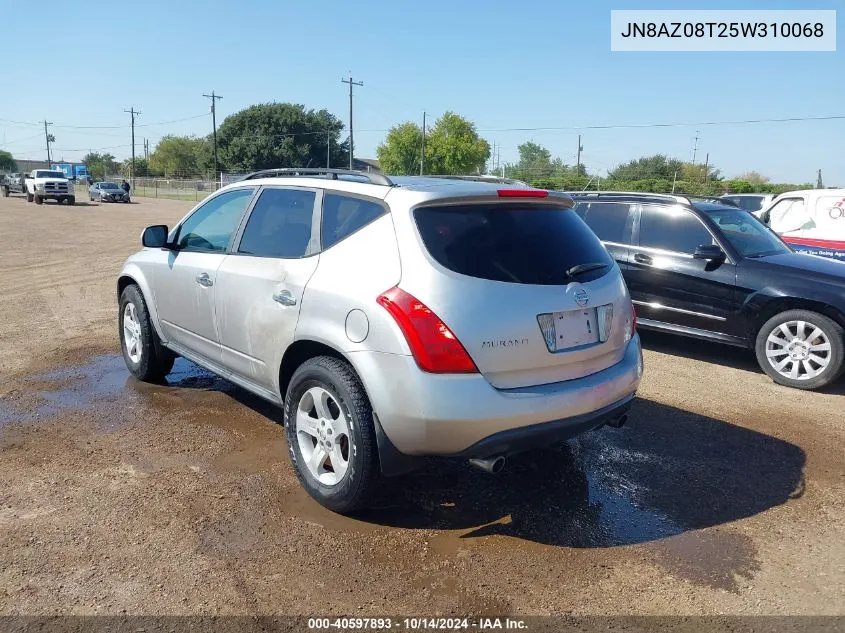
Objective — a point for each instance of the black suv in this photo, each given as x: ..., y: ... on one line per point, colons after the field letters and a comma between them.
x: 713, y: 271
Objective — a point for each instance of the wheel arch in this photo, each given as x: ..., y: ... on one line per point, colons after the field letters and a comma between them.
x: 391, y: 461
x: 132, y: 275
x: 776, y: 305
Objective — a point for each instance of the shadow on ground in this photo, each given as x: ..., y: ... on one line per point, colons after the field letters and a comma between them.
x: 668, y: 471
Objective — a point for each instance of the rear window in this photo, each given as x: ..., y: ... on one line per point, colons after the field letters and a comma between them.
x: 524, y: 243
x: 749, y: 203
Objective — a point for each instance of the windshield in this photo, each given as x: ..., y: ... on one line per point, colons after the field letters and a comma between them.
x: 49, y: 174
x: 516, y: 243
x: 749, y: 203
x: 108, y: 185
x: 746, y: 233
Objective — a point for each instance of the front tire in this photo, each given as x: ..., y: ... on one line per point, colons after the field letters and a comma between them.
x: 331, y: 434
x: 39, y: 200
x: 145, y: 357
x: 801, y: 349
x: 72, y: 200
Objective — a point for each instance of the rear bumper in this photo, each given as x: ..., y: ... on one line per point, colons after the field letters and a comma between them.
x: 463, y: 415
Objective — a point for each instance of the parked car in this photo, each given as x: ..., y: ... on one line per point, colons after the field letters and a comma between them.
x: 753, y: 202
x: 811, y: 221
x: 107, y: 192
x: 390, y: 318
x: 14, y: 183
x: 716, y: 272
x: 46, y: 184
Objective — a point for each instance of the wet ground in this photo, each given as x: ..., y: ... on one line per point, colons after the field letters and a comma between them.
x: 723, y: 494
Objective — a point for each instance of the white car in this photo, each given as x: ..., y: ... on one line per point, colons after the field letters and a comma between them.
x: 756, y: 203
x: 811, y: 221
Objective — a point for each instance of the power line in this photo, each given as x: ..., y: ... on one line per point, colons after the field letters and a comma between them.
x: 107, y: 127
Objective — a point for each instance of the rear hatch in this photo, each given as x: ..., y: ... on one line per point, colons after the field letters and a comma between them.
x: 524, y: 285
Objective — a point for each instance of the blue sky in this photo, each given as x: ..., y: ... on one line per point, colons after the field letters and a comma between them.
x: 537, y: 64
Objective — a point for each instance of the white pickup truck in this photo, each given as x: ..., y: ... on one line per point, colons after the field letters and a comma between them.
x: 47, y: 184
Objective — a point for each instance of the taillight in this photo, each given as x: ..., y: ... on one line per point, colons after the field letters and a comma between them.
x: 634, y: 319
x: 522, y: 193
x: 631, y: 324
x: 434, y: 346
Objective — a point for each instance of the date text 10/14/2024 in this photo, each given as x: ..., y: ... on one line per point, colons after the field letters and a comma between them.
x: 416, y: 624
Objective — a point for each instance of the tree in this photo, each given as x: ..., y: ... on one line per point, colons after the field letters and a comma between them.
x: 536, y: 162
x: 662, y: 167
x: 178, y: 155
x: 141, y: 168
x: 454, y: 147
x: 399, y: 154
x: 7, y: 162
x: 100, y: 165
x: 755, y: 178
x: 280, y: 135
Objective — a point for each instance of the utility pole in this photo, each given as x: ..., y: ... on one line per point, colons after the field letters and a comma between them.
x: 328, y: 148
x: 695, y: 147
x: 819, y: 183
x: 48, y: 139
x: 147, y: 150
x: 578, y: 160
x: 706, y: 165
x: 214, y: 98
x: 351, y: 141
x: 422, y: 149
x: 133, y: 113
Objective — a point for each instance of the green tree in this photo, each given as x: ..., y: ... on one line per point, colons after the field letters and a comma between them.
x: 141, y: 168
x: 399, y: 154
x: 536, y: 163
x: 280, y: 135
x: 7, y: 162
x: 454, y: 147
x: 100, y: 166
x: 657, y: 166
x: 178, y: 156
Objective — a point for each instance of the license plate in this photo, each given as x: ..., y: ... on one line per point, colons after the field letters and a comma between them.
x: 573, y: 328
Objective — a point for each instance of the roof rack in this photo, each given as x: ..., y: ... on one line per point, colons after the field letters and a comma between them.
x: 480, y: 178
x: 332, y: 174
x: 641, y: 194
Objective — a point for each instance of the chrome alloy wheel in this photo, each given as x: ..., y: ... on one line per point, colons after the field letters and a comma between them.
x: 132, y: 333
x: 322, y: 432
x: 798, y: 350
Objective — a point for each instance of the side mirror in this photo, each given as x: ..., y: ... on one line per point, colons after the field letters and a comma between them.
x: 154, y: 236
x: 710, y: 252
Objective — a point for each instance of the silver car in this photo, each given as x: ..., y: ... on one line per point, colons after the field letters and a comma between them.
x: 107, y: 192
x: 392, y: 319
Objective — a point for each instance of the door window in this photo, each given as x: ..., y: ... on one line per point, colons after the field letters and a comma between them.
x: 606, y: 219
x: 280, y: 224
x: 672, y: 229
x: 790, y: 214
x: 211, y: 226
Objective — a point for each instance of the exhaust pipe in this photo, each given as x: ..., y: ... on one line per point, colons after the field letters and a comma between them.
x: 618, y: 423
x: 492, y: 465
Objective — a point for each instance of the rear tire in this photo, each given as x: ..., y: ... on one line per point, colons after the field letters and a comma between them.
x: 29, y: 197
x: 808, y: 356
x: 145, y: 357
x: 5, y: 192
x: 343, y: 433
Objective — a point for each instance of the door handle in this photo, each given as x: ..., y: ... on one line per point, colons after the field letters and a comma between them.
x: 284, y: 297
x: 204, y: 280
x: 641, y: 258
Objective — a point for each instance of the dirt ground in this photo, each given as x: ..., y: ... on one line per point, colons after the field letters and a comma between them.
x: 724, y: 494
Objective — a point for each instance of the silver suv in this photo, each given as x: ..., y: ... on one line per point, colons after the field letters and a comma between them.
x: 391, y: 319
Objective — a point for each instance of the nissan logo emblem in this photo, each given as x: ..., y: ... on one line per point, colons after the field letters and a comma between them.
x: 581, y: 297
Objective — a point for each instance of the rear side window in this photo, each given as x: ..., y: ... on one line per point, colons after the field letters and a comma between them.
x: 343, y: 215
x: 516, y: 243
x: 280, y: 224
x: 607, y: 220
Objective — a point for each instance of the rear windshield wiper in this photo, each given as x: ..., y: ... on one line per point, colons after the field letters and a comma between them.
x: 584, y: 268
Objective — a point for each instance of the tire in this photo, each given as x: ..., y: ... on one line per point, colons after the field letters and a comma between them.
x: 5, y: 192
x: 39, y: 200
x: 799, y: 350
x: 29, y: 197
x: 153, y: 361
x: 72, y: 200
x: 336, y: 379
